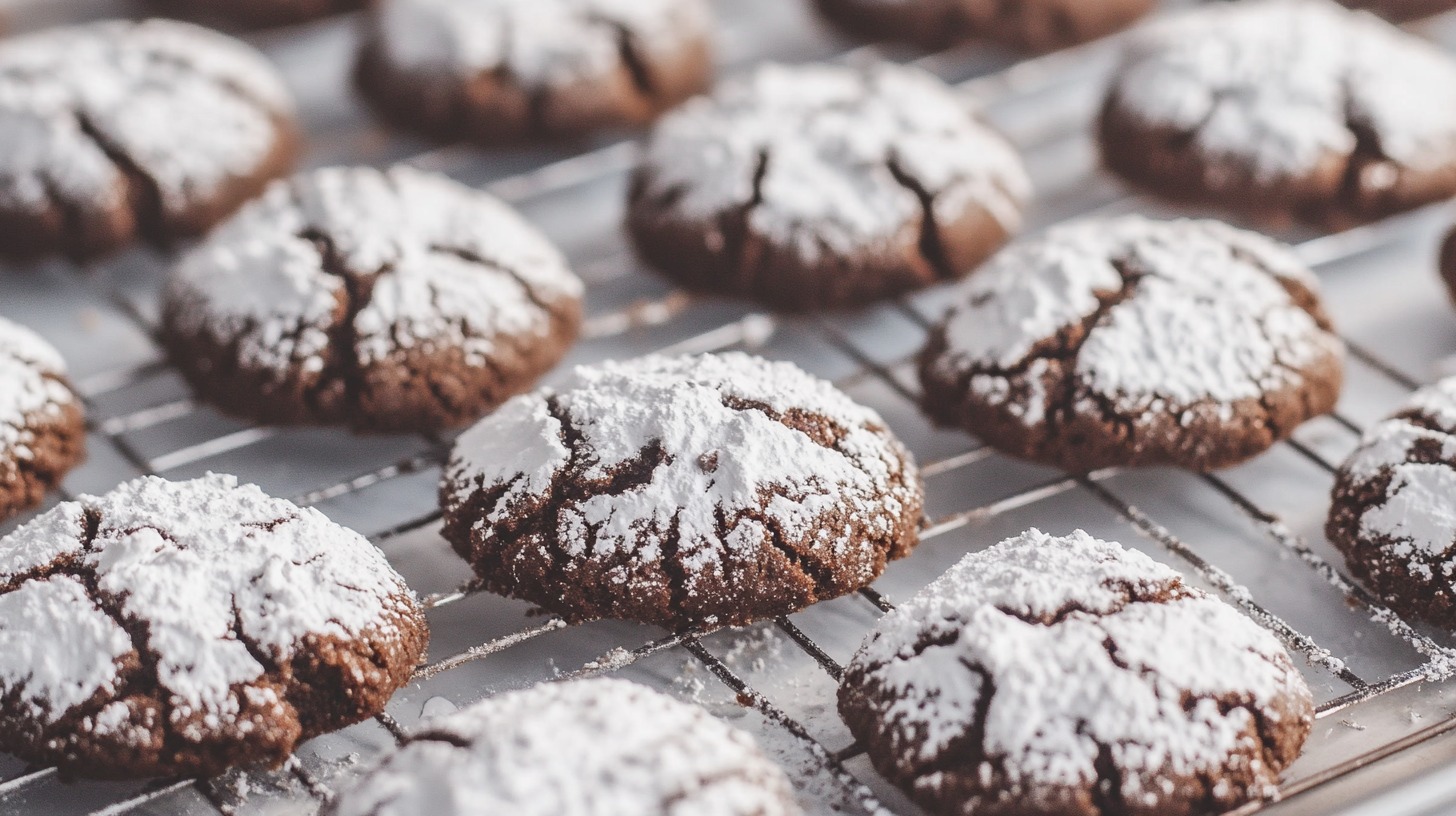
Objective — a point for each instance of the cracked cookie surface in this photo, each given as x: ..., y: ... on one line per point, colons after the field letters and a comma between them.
x: 582, y: 748
x: 1126, y: 341
x: 42, y: 424
x: 1034, y: 25
x: 1392, y: 513
x: 494, y: 71
x: 1284, y: 110
x: 116, y: 130
x: 385, y: 300
x: 681, y: 491
x: 257, y: 13
x: 1068, y: 676
x: 181, y: 628
x: 820, y: 186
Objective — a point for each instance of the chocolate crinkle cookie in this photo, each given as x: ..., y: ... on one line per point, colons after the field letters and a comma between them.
x: 1126, y: 341
x: 822, y: 186
x: 1284, y: 110
x: 42, y: 424
x: 581, y: 748
x: 256, y: 13
x: 1402, y: 10
x: 388, y: 300
x: 181, y: 628
x: 1066, y: 676
x: 681, y: 491
x: 494, y: 71
x: 114, y: 130
x: 1035, y: 25
x: 1393, y: 509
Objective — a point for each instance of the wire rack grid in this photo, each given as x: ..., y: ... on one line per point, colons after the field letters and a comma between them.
x: 1250, y: 534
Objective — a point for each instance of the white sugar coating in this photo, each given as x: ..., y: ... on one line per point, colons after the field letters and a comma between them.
x: 1415, y: 517
x: 29, y: 388
x: 1278, y: 84
x: 1058, y: 691
x: 584, y: 748
x: 451, y: 267
x: 192, y: 561
x: 818, y: 142
x: 538, y: 43
x: 1208, y: 318
x: 190, y: 108
x: 678, y: 403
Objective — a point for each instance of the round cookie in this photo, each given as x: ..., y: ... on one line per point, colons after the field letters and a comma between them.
x: 114, y: 130
x: 42, y: 425
x: 1066, y: 676
x: 1034, y: 25
x: 581, y: 748
x: 1393, y: 509
x: 1125, y: 341
x: 1284, y: 110
x: 182, y: 628
x: 386, y: 300
x: 681, y: 491
x: 257, y: 13
x: 822, y: 185
x: 505, y: 71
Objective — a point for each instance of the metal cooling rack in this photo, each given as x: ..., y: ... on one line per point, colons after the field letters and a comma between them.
x: 1252, y: 534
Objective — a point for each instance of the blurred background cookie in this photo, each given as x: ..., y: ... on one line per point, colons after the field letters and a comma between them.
x: 114, y: 130
x: 1284, y: 110
x: 493, y: 71
x: 255, y: 13
x: 390, y: 300
x: 1035, y: 25
x: 822, y: 186
x: 42, y: 426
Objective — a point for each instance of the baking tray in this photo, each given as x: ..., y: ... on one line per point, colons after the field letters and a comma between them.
x: 1253, y: 534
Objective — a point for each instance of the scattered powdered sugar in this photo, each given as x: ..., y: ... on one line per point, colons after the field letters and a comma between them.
x: 723, y: 453
x: 1083, y: 648
x: 1414, y: 518
x: 30, y: 386
x: 584, y: 748
x: 1182, y: 313
x: 829, y: 158
x: 80, y: 107
x: 209, y: 568
x: 445, y: 265
x: 538, y: 43
x: 1284, y: 85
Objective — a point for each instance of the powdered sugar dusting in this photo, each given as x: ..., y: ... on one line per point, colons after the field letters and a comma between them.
x: 821, y: 155
x: 539, y: 43
x: 209, y: 568
x: 589, y: 747
x: 1067, y: 652
x: 1284, y: 85
x: 1183, y: 314
x: 30, y: 386
x: 189, y: 108
x: 447, y: 265
x: 725, y: 457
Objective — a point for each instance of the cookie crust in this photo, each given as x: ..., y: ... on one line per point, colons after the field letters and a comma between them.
x: 118, y: 130
x: 681, y: 491
x: 383, y: 300
x: 1284, y: 110
x: 1068, y: 676
x: 1127, y: 342
x: 179, y: 629
x: 509, y: 71
x: 823, y: 186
